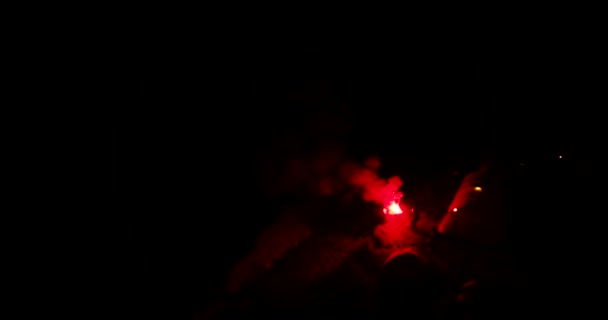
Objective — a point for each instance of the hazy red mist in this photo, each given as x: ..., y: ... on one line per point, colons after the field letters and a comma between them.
x: 323, y: 174
x: 373, y: 188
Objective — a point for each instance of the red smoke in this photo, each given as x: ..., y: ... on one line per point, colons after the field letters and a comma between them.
x: 396, y: 231
x: 325, y: 173
x: 374, y: 188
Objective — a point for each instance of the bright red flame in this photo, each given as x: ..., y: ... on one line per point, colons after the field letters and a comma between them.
x: 394, y: 208
x: 392, y: 204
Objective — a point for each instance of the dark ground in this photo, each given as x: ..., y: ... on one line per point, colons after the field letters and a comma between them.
x: 210, y: 113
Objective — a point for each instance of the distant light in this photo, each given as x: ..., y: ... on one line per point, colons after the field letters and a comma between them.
x: 455, y: 209
x: 477, y: 188
x: 560, y: 157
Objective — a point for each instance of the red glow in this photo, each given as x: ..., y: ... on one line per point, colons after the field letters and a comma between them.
x: 397, y: 253
x: 392, y: 203
x: 395, y: 232
x: 394, y: 208
x: 374, y: 188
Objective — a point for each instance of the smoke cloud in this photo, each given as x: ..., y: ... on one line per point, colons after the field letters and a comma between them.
x: 366, y: 180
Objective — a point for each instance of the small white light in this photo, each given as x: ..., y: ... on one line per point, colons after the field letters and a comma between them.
x: 560, y: 157
x: 455, y: 209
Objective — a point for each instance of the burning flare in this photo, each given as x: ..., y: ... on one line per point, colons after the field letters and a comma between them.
x: 392, y: 207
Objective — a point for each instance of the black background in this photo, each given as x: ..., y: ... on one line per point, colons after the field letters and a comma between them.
x: 197, y: 98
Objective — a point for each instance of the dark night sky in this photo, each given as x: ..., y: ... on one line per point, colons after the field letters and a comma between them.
x: 206, y: 101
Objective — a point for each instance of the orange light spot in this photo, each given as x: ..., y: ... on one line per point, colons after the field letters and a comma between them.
x: 477, y: 188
